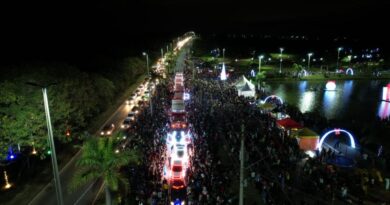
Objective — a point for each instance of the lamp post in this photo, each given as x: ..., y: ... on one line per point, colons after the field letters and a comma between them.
x: 162, y: 53
x: 308, y: 60
x: 53, y: 155
x: 260, y: 57
x: 223, y: 54
x: 147, y: 62
x: 281, y: 59
x: 338, y: 56
x: 150, y: 94
x: 242, y: 158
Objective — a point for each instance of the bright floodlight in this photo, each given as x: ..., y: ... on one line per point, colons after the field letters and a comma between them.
x: 144, y: 53
x: 331, y: 85
x: 310, y: 54
x: 261, y: 57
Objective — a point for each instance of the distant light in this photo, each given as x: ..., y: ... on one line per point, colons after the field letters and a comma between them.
x: 340, y: 48
x: 354, y: 57
x: 310, y: 54
x: 303, y: 60
x: 321, y: 59
x: 236, y: 60
x: 314, y: 60
x: 48, y: 152
x: 269, y: 59
x: 331, y: 85
x: 117, y: 151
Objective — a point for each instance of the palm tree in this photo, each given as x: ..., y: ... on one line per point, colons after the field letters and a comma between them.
x: 100, y: 159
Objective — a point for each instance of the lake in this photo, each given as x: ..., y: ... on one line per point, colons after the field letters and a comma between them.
x: 352, y: 100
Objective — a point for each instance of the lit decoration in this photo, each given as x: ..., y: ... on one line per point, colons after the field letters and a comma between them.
x: 223, y: 72
x: 11, y: 154
x: 331, y: 85
x: 386, y: 93
x: 7, y: 184
x: 349, y: 71
x: 253, y: 73
x: 336, y: 131
x: 273, y: 97
x: 186, y: 96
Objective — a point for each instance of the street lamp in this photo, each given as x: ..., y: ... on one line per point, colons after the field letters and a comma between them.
x: 338, y: 56
x: 53, y: 155
x: 147, y: 66
x: 260, y: 57
x: 147, y: 62
x: 223, y: 54
x: 281, y: 59
x: 308, y: 60
x: 162, y: 53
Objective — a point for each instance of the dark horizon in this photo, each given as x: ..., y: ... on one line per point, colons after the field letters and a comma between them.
x: 72, y: 30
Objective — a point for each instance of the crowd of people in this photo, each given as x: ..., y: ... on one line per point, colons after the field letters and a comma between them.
x: 276, y: 170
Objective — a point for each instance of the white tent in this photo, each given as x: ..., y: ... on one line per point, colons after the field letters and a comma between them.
x: 245, y: 87
x: 248, y: 90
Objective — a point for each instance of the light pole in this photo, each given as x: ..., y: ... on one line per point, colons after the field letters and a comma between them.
x: 281, y: 59
x: 57, y: 182
x: 162, y: 53
x: 150, y: 94
x: 260, y: 57
x: 223, y: 54
x: 147, y: 62
x: 308, y: 60
x: 338, y: 56
x: 167, y: 48
x: 242, y: 158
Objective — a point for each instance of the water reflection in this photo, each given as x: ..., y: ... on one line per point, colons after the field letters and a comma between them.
x: 329, y: 103
x: 307, y: 101
x: 384, y: 110
x: 347, y: 102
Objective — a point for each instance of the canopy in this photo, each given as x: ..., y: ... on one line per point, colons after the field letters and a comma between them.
x: 243, y: 82
x: 245, y: 87
x: 289, y: 123
x: 308, y: 139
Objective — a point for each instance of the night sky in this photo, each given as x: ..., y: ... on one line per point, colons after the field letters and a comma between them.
x: 67, y: 29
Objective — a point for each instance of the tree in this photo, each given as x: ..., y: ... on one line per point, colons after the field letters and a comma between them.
x: 260, y: 76
x: 99, y: 160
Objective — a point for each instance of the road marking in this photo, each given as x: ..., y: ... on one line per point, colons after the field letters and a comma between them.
x: 82, y: 195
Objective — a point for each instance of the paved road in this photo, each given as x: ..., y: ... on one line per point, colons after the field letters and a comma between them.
x: 87, y: 193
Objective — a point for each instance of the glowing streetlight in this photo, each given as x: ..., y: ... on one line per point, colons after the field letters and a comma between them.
x: 223, y: 54
x: 281, y: 59
x: 338, y: 56
x: 260, y: 57
x: 308, y: 59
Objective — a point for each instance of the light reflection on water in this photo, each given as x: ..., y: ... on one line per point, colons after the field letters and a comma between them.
x: 384, y: 110
x: 352, y: 100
